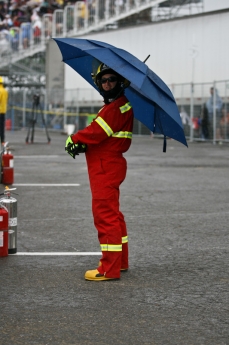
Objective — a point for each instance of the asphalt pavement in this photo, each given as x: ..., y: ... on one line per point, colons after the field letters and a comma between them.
x: 176, y: 205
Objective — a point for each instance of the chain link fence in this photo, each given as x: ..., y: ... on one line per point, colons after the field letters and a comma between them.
x: 204, y: 110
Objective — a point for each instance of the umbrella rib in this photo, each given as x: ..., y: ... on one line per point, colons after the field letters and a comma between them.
x: 121, y: 57
x: 74, y: 57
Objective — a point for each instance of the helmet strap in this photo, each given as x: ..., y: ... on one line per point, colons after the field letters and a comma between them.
x: 113, y: 94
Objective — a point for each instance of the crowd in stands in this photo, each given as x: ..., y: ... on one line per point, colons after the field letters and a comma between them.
x: 21, y: 19
x: 25, y: 15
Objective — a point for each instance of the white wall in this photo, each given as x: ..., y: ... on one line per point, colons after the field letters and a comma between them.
x: 170, y: 45
x: 214, y: 5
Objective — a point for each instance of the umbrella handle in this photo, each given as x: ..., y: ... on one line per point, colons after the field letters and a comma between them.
x: 164, y: 144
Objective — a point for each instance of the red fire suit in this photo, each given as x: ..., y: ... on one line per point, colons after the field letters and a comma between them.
x: 107, y: 137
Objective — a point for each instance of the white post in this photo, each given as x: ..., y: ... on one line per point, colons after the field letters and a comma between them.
x: 194, y: 53
x: 191, y: 111
x: 214, y: 113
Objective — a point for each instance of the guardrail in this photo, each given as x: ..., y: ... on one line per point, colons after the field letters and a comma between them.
x: 72, y: 21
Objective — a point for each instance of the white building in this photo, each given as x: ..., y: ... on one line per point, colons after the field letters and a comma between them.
x: 182, y: 50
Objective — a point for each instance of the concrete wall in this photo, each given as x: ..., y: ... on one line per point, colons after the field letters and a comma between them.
x: 183, y: 50
x: 54, y: 68
x: 214, y: 5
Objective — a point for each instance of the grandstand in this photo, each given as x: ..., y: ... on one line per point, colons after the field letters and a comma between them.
x: 23, y: 47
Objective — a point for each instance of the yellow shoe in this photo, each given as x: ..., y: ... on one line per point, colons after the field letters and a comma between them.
x: 121, y: 269
x: 96, y: 276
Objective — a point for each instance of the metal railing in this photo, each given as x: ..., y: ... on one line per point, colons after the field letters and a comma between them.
x: 204, y: 116
x: 72, y: 21
x: 76, y: 107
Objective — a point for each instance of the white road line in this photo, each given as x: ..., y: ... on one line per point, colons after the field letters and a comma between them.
x: 56, y: 253
x: 38, y: 156
x: 187, y: 214
x: 46, y: 184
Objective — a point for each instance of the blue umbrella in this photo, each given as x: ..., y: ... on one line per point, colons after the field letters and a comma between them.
x: 152, y: 101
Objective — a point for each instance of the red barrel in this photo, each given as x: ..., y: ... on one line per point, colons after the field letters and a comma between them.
x: 4, y: 226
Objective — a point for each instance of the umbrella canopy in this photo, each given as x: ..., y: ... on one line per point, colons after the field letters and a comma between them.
x: 152, y: 101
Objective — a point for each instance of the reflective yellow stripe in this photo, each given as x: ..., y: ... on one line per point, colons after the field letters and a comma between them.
x: 111, y: 247
x: 125, y: 239
x: 122, y: 135
x: 125, y: 107
x: 104, y: 126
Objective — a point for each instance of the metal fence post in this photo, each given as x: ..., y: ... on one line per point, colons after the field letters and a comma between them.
x: 24, y: 109
x: 12, y: 116
x: 77, y: 109
x: 214, y: 113
x: 96, y: 20
x: 191, y: 111
x: 45, y: 108
x: 65, y: 112
x: 225, y: 113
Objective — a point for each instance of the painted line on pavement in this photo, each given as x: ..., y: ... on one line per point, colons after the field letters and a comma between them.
x: 46, y: 184
x: 56, y: 253
x: 178, y: 214
x: 38, y: 156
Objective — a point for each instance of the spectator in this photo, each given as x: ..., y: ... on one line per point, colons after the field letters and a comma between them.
x: 82, y: 14
x: 214, y: 103
x: 2, y: 11
x: 37, y: 25
x: 16, y: 21
x: 91, y: 10
x: 4, y: 38
x: 8, y: 21
x: 224, y: 123
x: 26, y: 34
x: 14, y: 38
x: 204, y: 122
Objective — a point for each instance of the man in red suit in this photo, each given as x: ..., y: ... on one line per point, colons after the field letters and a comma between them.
x: 105, y: 140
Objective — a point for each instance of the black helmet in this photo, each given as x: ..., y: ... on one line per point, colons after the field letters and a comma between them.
x: 104, y: 69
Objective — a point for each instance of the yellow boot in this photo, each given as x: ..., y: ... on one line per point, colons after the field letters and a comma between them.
x: 96, y: 276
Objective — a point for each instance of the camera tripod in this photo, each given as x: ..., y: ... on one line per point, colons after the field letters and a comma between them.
x: 31, y: 128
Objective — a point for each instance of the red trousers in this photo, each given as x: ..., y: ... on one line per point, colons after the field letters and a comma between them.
x: 106, y: 173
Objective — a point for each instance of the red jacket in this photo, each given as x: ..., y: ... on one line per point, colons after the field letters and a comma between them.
x: 111, y: 130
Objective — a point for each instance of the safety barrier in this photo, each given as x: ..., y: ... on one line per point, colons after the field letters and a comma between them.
x: 77, y: 107
x: 59, y: 108
x: 204, y: 117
